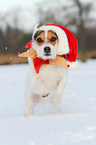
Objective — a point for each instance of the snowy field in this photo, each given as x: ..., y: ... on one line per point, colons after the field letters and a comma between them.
x: 76, y: 125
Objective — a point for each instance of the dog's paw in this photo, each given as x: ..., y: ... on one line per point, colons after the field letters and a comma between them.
x: 58, y: 94
x: 28, y: 113
x: 45, y: 95
x: 58, y: 98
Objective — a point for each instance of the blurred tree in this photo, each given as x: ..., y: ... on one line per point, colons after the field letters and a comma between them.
x: 91, y: 38
x: 24, y: 38
x: 82, y: 19
x: 72, y: 14
x: 75, y: 16
x: 11, y: 37
x: 2, y: 42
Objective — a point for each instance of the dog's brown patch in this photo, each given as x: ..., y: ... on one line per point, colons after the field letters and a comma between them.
x: 52, y: 37
x: 39, y: 37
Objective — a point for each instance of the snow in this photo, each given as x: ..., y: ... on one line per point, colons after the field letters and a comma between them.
x: 76, y: 125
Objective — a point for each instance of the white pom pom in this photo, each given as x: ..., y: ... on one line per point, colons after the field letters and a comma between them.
x: 73, y: 65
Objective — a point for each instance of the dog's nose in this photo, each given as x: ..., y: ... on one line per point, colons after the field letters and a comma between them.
x: 47, y: 49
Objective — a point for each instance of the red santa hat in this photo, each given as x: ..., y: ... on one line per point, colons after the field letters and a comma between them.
x: 68, y: 46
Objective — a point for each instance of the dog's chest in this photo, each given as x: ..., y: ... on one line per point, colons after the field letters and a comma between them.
x: 50, y: 76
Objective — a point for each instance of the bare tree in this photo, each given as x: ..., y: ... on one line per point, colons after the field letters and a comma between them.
x: 83, y: 19
x: 75, y: 16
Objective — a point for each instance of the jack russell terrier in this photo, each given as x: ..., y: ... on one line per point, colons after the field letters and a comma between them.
x: 44, y: 79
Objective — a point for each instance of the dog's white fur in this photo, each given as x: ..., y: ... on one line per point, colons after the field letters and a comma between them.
x: 50, y: 80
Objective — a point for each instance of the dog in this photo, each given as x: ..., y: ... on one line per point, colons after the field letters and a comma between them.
x: 51, y: 80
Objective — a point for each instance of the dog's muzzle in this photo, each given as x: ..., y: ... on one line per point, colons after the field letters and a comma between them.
x: 47, y: 51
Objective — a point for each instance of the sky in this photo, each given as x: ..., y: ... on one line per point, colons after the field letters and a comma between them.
x: 8, y: 4
x: 5, y: 5
x: 27, y: 20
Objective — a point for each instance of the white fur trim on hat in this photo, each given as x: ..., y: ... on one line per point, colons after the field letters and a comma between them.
x: 63, y: 47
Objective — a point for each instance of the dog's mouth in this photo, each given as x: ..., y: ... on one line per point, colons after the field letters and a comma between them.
x: 47, y: 54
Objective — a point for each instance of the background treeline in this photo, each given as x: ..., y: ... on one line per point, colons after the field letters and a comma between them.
x: 77, y: 16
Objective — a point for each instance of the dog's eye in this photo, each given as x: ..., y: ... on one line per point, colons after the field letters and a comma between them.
x: 53, y: 39
x: 39, y: 40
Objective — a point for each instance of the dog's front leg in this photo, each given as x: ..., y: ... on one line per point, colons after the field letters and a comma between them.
x: 43, y: 89
x: 31, y: 100
x: 57, y: 98
x: 60, y: 89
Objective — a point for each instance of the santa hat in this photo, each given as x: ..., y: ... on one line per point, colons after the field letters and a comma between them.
x: 68, y: 46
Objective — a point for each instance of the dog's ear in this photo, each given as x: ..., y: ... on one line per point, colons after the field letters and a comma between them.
x: 36, y: 27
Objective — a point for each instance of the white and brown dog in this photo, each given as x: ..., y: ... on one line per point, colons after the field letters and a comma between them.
x: 49, y: 81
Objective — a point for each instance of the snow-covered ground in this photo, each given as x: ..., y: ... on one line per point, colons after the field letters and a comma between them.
x: 76, y: 125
